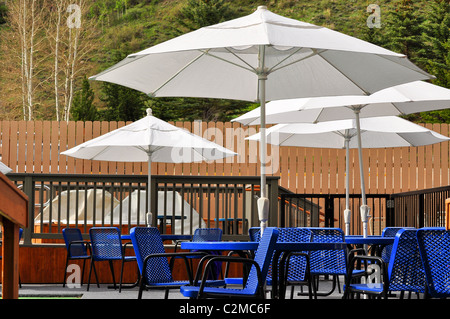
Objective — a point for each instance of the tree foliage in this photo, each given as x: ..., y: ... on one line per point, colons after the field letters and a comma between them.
x: 417, y: 28
x: 83, y: 103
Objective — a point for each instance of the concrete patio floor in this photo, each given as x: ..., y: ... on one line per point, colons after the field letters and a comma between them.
x: 58, y: 291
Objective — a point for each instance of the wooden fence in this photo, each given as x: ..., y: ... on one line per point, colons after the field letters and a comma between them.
x: 34, y: 147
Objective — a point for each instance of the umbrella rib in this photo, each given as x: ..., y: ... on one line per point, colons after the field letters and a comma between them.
x: 177, y: 73
x: 273, y: 69
x: 250, y: 68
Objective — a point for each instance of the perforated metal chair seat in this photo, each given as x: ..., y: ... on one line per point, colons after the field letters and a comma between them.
x: 192, y: 292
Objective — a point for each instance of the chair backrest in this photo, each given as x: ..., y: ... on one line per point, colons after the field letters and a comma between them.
x: 328, y: 261
x: 74, y: 250
x: 106, y: 243
x: 405, y: 270
x: 254, y: 233
x: 263, y: 256
x: 390, y: 232
x: 147, y: 241
x: 207, y: 234
x: 434, y: 246
x: 297, y: 264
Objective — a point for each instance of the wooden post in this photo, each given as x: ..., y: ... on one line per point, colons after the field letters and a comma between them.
x: 13, y: 215
x: 10, y: 265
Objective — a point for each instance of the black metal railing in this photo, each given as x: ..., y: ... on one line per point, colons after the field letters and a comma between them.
x: 182, y: 203
x: 326, y: 210
x: 424, y: 208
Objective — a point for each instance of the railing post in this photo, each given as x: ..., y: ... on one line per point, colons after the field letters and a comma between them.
x: 282, y: 212
x: 28, y: 189
x: 329, y: 211
x: 273, y: 202
x: 390, y: 211
x: 421, y: 212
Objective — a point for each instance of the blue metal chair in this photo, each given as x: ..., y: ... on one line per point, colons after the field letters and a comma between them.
x: 207, y: 234
x: 404, y: 272
x: 326, y: 262
x: 297, y: 264
x: 77, y: 249
x: 254, y: 287
x: 106, y: 245
x: 204, y: 234
x: 389, y: 232
x: 434, y: 247
x: 152, y: 259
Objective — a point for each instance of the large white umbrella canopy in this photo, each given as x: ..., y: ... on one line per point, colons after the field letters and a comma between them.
x: 262, y: 57
x: 149, y: 140
x: 376, y: 132
x: 402, y: 99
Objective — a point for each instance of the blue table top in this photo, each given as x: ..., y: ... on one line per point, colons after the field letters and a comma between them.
x: 369, y: 240
x: 219, y: 245
x: 248, y: 245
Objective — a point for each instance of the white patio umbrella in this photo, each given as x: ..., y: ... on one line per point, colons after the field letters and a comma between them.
x: 149, y: 140
x: 5, y: 169
x: 406, y: 98
x: 376, y: 132
x: 262, y: 57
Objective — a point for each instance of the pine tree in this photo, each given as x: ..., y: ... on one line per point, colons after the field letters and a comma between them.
x: 436, y: 39
x: 122, y: 103
x: 83, y: 108
x: 404, y: 29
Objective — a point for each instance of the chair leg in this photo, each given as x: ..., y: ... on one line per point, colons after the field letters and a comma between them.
x: 121, y: 275
x: 112, y: 273
x: 89, y: 277
x: 82, y: 272
x: 141, y: 287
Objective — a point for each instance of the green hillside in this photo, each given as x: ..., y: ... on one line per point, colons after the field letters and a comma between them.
x: 419, y: 29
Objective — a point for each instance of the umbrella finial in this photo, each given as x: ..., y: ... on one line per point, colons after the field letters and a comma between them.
x: 149, y: 112
x: 262, y: 7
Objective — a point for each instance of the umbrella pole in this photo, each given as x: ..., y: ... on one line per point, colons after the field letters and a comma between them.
x: 347, y: 212
x: 364, y: 209
x: 263, y: 201
x: 149, y: 192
